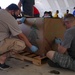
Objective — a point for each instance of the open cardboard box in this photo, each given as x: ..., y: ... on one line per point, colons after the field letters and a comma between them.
x: 42, y: 31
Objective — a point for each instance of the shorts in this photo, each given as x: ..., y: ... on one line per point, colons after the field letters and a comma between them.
x: 64, y: 60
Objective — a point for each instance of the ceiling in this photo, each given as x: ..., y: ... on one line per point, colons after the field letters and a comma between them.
x: 53, y: 5
x: 47, y: 5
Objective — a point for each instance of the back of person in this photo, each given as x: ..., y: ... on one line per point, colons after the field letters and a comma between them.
x: 74, y: 11
x: 56, y: 14
x: 67, y: 12
x: 36, y: 12
x: 28, y: 7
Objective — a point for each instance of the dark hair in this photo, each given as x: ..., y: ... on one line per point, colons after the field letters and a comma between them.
x: 74, y: 8
x: 45, y: 12
x: 12, y: 7
x: 0, y: 7
x: 57, y: 11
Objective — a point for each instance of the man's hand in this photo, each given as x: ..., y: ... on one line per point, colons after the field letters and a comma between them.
x: 33, y: 48
x: 22, y: 19
x: 58, y: 41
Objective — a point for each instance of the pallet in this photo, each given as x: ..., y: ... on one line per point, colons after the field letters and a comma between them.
x: 35, y: 59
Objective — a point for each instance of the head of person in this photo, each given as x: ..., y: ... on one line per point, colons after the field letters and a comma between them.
x: 50, y: 12
x: 0, y: 7
x: 57, y: 11
x: 67, y: 11
x: 69, y: 21
x: 74, y: 8
x: 46, y: 14
x: 14, y: 10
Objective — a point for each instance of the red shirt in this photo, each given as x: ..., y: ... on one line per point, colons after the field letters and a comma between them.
x: 36, y: 11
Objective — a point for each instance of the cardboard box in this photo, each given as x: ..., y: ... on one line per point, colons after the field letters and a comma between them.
x: 41, y: 33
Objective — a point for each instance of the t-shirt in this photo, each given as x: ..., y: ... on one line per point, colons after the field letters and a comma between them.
x: 74, y: 12
x: 8, y: 25
x: 69, y: 41
x: 55, y: 15
x: 28, y: 6
x: 36, y: 11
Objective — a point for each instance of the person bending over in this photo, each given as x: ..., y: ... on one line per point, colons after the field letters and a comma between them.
x: 9, y: 27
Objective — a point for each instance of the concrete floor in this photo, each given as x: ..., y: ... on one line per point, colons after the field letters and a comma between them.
x: 26, y: 68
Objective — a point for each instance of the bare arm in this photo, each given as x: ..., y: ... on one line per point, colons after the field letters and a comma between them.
x: 61, y: 49
x: 24, y: 38
x: 19, y: 4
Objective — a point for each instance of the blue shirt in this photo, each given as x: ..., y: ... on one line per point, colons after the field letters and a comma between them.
x: 74, y: 12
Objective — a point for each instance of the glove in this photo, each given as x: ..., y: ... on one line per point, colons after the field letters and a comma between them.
x: 33, y: 48
x: 22, y: 19
x: 58, y: 41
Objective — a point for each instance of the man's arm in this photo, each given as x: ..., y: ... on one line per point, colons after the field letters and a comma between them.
x: 61, y: 49
x: 24, y: 38
x: 19, y: 4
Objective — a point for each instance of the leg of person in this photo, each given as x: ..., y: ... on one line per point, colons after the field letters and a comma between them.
x: 64, y: 60
x: 7, y: 46
x: 3, y: 66
x: 17, y: 46
x: 50, y: 62
x: 12, y: 44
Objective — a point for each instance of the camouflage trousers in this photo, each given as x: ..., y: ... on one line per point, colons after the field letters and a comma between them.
x: 12, y: 44
x: 64, y: 60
